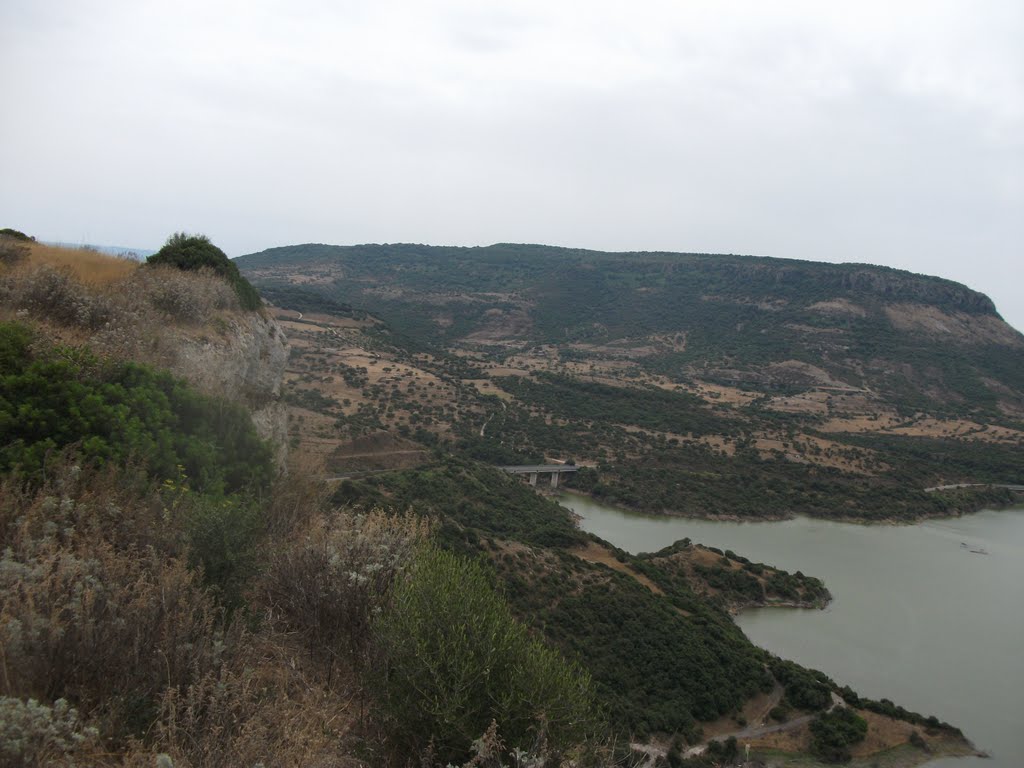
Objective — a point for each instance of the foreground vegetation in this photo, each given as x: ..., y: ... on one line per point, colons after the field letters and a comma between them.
x: 164, y: 592
x: 161, y: 591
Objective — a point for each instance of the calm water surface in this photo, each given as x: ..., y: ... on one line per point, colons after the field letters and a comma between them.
x: 916, y: 617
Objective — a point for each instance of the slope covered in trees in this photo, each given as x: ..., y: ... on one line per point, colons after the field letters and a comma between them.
x: 736, y: 314
x: 687, y: 383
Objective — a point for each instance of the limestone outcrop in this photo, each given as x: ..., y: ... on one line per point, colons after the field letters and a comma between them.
x: 243, y: 362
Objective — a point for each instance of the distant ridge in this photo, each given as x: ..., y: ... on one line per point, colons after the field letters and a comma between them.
x: 918, y: 342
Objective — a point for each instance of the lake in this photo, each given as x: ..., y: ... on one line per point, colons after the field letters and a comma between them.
x: 916, y: 617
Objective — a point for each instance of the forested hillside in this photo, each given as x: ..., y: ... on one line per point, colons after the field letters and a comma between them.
x: 724, y: 317
x: 687, y: 383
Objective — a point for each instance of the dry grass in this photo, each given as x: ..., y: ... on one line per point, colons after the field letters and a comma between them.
x: 96, y: 603
x: 87, y: 265
x: 810, y: 449
x: 80, y: 297
x: 52, y: 278
x: 332, y: 574
x: 97, y: 608
x: 595, y: 553
x: 266, y: 705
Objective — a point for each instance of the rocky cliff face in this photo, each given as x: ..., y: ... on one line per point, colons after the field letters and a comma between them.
x: 244, y: 363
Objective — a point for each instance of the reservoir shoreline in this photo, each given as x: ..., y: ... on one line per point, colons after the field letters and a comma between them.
x: 915, y: 618
x: 981, y: 506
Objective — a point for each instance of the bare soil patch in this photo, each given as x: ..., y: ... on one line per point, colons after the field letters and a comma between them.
x: 889, y: 423
x: 754, y: 712
x: 720, y: 393
x: 838, y: 307
x: 595, y: 553
x: 488, y: 387
x: 809, y: 449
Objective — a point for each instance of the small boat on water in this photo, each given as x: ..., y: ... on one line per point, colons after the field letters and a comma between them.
x: 981, y: 551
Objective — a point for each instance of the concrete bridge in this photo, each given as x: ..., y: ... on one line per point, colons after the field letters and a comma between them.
x: 533, y: 470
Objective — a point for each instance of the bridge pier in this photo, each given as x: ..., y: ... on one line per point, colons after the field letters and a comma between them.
x: 533, y: 471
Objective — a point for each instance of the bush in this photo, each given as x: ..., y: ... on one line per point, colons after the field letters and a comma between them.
x: 224, y: 535
x: 107, y: 628
x: 15, y: 234
x: 97, y: 608
x: 455, y: 660
x: 332, y: 576
x: 832, y: 734
x: 723, y: 752
x: 195, y: 252
x: 12, y: 250
x: 917, y: 740
x: 58, y: 296
x: 259, y: 707
x: 53, y: 398
x: 34, y: 734
x: 805, y: 688
x: 191, y: 297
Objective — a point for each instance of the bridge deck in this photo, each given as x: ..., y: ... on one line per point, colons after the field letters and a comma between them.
x: 529, y: 468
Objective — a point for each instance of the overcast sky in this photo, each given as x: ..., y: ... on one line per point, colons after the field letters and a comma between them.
x: 882, y: 132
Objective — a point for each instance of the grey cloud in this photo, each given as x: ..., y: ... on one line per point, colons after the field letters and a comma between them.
x: 840, y: 131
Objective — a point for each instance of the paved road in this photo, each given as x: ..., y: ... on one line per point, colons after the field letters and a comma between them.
x: 755, y: 731
x: 1010, y: 486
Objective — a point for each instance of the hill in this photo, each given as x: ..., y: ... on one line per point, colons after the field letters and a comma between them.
x: 167, y: 595
x: 697, y: 384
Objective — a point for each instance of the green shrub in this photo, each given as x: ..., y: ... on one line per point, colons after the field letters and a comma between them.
x: 34, y: 734
x: 455, y: 660
x: 224, y: 534
x: 115, y: 412
x: 805, y: 688
x: 917, y: 740
x: 196, y: 252
x: 832, y: 734
x: 723, y: 752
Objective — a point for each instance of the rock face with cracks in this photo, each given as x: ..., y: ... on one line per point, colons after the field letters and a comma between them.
x: 245, y: 363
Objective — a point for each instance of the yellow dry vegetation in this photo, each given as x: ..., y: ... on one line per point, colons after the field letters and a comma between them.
x: 88, y: 265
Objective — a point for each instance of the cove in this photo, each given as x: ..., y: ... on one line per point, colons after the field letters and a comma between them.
x: 916, y: 616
